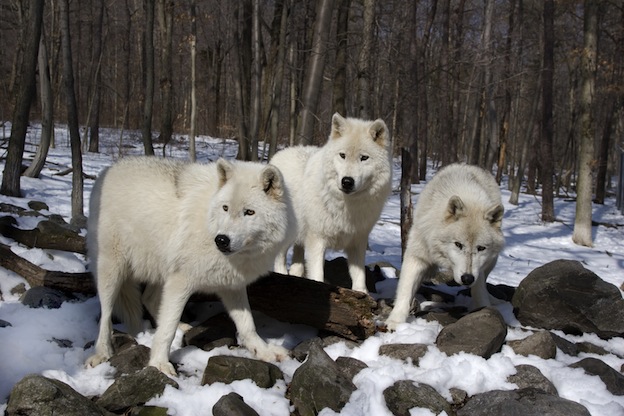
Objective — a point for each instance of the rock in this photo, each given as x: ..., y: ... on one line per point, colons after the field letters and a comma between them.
x: 44, y: 297
x: 404, y: 351
x: 301, y: 351
x: 540, y: 344
x: 564, y: 295
x: 135, y: 389
x: 148, y: 411
x: 405, y: 395
x: 319, y: 383
x: 350, y: 366
x: 567, y: 347
x: 37, y: 395
x: 226, y: 369
x: 38, y: 206
x: 524, y: 402
x: 481, y: 333
x: 612, y: 378
x: 232, y: 405
x: 215, y: 332
x: 444, y: 318
x: 4, y: 324
x: 529, y: 376
x: 130, y: 360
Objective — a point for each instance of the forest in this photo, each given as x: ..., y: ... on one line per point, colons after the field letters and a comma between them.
x: 531, y: 90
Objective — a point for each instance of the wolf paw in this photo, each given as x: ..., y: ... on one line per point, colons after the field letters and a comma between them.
x: 271, y: 353
x: 165, y: 367
x: 96, y: 359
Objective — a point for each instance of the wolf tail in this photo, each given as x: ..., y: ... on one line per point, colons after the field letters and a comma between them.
x: 128, y: 307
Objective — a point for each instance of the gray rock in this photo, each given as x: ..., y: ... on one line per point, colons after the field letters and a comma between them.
x: 232, y: 405
x: 130, y: 360
x: 350, y: 366
x: 405, y: 395
x: 44, y: 297
x: 525, y: 402
x: 567, y: 347
x: 564, y: 295
x: 528, y: 376
x: 481, y: 333
x: 319, y: 383
x: 226, y: 369
x: 612, y: 378
x: 215, y: 332
x: 39, y: 396
x: 404, y: 351
x: 301, y: 351
x: 540, y: 344
x: 135, y: 389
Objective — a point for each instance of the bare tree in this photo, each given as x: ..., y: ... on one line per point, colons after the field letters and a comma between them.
x: 193, y: 42
x: 281, y: 17
x: 96, y: 84
x: 364, y: 70
x: 546, y: 153
x: 77, y: 201
x: 26, y: 91
x: 256, y: 75
x: 314, y: 72
x: 339, y: 93
x: 582, y: 234
x: 148, y: 105
x: 165, y: 19
x: 47, y: 112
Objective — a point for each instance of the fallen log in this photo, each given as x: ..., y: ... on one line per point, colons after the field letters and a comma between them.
x: 36, y: 276
x: 296, y: 300
x: 47, y: 235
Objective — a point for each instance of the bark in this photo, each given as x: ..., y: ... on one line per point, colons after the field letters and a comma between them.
x: 339, y: 93
x: 281, y: 12
x: 166, y: 71
x: 546, y: 151
x: 47, y: 113
x: 77, y: 200
x: 96, y: 65
x: 256, y: 75
x: 148, y: 104
x: 582, y: 234
x: 364, y: 61
x: 314, y: 72
x: 193, y: 41
x: 26, y: 91
x: 47, y: 235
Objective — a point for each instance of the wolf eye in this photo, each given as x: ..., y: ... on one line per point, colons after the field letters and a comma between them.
x: 249, y: 212
x: 480, y: 248
x: 363, y: 158
x: 225, y: 208
x: 459, y: 245
x: 342, y: 155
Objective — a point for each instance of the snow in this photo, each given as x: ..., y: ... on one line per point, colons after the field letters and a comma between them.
x: 30, y: 344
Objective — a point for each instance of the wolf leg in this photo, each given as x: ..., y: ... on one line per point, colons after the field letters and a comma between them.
x: 279, y: 266
x: 175, y: 294
x: 412, y: 272
x: 237, y: 305
x: 315, y: 258
x: 356, y: 255
x: 109, y: 281
x: 298, y: 258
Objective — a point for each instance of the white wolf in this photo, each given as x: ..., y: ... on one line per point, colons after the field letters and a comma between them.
x: 457, y: 226
x: 183, y: 228
x: 338, y: 191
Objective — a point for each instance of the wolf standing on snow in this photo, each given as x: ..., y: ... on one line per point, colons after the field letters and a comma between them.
x: 338, y: 191
x: 183, y: 228
x: 457, y: 226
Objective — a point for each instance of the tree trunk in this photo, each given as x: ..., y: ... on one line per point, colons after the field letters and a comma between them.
x: 47, y: 113
x: 193, y: 41
x: 605, y: 145
x: 256, y: 75
x: 582, y: 234
x: 77, y: 201
x: 166, y: 71
x: 148, y: 105
x: 546, y: 151
x: 26, y: 91
x: 96, y: 64
x: 339, y: 93
x: 364, y: 70
x: 314, y: 73
x: 243, y: 54
x: 281, y: 11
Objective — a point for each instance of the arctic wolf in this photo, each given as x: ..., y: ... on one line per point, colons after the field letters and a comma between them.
x: 338, y: 191
x: 457, y: 226
x: 183, y: 228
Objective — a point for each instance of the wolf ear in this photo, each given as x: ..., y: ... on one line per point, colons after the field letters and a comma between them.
x: 379, y: 132
x: 455, y: 208
x: 272, y: 182
x: 495, y: 214
x: 224, y: 170
x: 338, y: 124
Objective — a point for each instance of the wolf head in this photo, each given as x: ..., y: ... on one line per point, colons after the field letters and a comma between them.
x: 473, y: 237
x: 251, y: 212
x: 358, y: 156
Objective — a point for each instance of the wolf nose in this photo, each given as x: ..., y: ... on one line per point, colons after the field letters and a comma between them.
x: 347, y: 183
x: 467, y: 279
x: 223, y: 243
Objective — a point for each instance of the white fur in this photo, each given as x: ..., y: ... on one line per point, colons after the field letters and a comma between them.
x: 157, y: 221
x: 331, y: 214
x: 457, y: 226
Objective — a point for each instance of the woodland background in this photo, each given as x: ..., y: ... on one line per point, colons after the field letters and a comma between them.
x: 531, y: 90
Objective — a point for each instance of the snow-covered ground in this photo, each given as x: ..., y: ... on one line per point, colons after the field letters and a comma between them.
x: 27, y: 346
